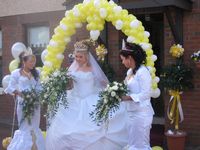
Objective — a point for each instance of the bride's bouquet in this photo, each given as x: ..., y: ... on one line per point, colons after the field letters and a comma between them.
x: 30, y: 103
x: 109, y: 102
x: 54, y: 91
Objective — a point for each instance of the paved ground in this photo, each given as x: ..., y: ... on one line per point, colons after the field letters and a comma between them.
x: 157, y: 134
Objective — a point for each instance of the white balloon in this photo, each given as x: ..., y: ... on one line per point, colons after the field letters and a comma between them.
x: 63, y: 26
x: 86, y: 1
x: 67, y: 39
x: 78, y: 25
x: 155, y: 93
x: 156, y: 79
x: 135, y: 23
x: 145, y: 46
x: 17, y: 49
x: 103, y: 12
x: 117, y: 9
x: 94, y: 34
x: 48, y: 63
x: 5, y: 81
x: 147, y: 34
x: 53, y: 43
x: 154, y: 57
x: 130, y: 39
x: 97, y: 3
x: 119, y: 24
x: 60, y: 56
x: 67, y: 13
x: 76, y: 12
x: 44, y: 53
x: 111, y: 2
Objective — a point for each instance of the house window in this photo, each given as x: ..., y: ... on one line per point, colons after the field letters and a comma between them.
x: 38, y: 38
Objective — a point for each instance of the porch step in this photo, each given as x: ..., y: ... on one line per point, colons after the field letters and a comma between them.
x: 157, y: 135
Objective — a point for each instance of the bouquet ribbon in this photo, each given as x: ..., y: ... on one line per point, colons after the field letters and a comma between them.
x: 174, y: 110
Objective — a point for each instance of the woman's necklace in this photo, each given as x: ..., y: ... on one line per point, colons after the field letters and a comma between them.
x: 28, y: 74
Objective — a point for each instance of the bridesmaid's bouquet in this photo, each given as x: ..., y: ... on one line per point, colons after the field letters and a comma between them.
x: 109, y: 102
x: 54, y: 91
x: 30, y: 103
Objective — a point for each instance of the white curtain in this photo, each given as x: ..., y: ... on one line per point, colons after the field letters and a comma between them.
x: 38, y: 36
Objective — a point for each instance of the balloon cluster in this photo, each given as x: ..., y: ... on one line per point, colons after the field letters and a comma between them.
x: 157, y: 148
x: 6, y: 141
x: 16, y: 50
x: 95, y: 13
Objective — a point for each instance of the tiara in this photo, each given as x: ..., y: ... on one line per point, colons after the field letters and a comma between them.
x: 28, y: 52
x: 80, y: 46
x: 124, y: 47
x: 83, y: 45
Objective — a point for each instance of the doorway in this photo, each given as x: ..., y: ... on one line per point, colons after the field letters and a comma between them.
x: 154, y: 24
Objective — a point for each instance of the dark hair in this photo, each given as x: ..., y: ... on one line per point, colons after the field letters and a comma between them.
x: 137, y: 53
x: 21, y: 59
x: 34, y: 72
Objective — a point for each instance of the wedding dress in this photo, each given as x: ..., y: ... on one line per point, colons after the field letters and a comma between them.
x: 28, y: 134
x: 73, y: 129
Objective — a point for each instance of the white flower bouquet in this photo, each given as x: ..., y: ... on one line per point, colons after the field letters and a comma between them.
x: 54, y: 91
x: 109, y: 102
x: 30, y: 104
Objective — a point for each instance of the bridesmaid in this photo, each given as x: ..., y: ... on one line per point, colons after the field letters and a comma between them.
x: 138, y: 105
x: 29, y: 135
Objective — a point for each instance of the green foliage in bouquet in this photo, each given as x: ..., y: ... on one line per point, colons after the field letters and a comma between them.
x: 30, y: 103
x: 109, y: 102
x: 54, y: 91
x: 177, y: 77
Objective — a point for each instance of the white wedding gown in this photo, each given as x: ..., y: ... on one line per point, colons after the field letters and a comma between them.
x: 27, y: 133
x: 73, y: 129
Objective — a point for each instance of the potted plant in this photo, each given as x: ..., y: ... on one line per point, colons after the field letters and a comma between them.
x: 176, y: 78
x: 196, y: 58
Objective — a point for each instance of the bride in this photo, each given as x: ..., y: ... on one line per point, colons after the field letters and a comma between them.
x: 73, y: 128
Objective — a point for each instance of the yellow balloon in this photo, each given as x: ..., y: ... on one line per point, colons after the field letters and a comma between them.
x: 157, y: 148
x: 6, y: 141
x: 154, y: 86
x: 44, y: 133
x: 13, y: 65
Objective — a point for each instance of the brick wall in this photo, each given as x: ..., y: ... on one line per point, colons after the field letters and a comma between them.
x: 190, y: 99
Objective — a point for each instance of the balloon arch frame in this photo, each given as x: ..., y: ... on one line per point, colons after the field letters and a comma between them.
x: 95, y: 13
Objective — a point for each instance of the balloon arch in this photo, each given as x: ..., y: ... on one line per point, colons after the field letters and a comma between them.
x: 95, y: 13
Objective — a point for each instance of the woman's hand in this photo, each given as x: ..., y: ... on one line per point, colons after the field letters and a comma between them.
x: 126, y: 98
x: 17, y: 93
x: 70, y: 84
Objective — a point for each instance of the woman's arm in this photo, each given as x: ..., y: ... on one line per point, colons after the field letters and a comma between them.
x: 12, y: 86
x: 126, y: 98
x: 70, y: 84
